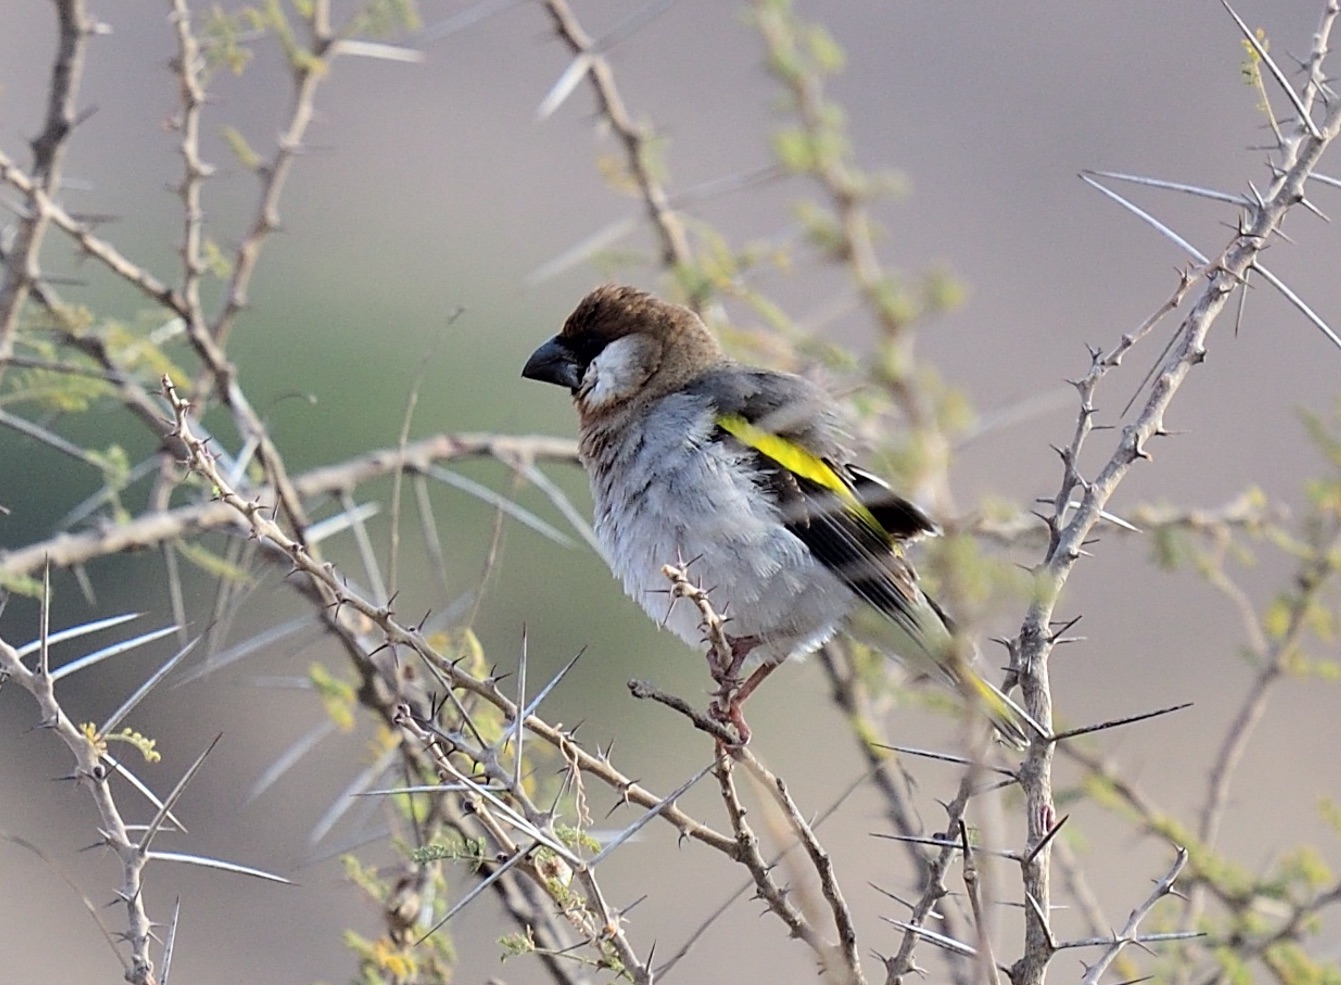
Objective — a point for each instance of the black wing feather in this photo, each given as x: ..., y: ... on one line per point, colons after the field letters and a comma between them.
x: 866, y: 558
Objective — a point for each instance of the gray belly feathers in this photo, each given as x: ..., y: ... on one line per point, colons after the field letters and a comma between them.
x: 673, y: 495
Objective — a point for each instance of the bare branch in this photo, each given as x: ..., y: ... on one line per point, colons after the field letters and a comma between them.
x: 22, y: 269
x: 675, y: 251
x: 1128, y: 935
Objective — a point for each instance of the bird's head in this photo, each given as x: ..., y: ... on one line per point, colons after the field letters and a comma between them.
x: 621, y: 343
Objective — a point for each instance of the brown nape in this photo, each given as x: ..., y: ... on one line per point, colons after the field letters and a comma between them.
x: 613, y: 311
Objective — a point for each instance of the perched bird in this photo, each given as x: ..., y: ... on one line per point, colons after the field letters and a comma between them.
x: 741, y: 474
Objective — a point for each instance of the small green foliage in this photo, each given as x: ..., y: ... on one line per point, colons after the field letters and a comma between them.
x: 1278, y: 617
x: 821, y: 228
x: 242, y: 151
x: 51, y: 390
x: 365, y: 877
x: 138, y: 348
x: 695, y: 286
x: 776, y: 320
x: 978, y: 579
x: 1170, y: 547
x: 613, y: 170
x: 17, y: 584
x: 515, y: 945
x: 1323, y: 495
x: 1303, y: 868
x: 1251, y: 66
x: 794, y: 150
x: 576, y: 838
x: 273, y: 17
x: 1290, y: 964
x: 472, y: 850
x: 893, y: 359
x: 129, y: 736
x: 824, y: 52
x: 718, y: 264
x: 216, y: 261
x: 385, y: 18
x: 558, y: 877
x: 1330, y: 812
x: 893, y: 302
x: 617, y: 173
x: 954, y: 410
x: 223, y: 34
x: 1320, y: 619
x: 74, y: 319
x: 869, y: 666
x: 942, y: 291
x: 337, y: 697
x: 652, y: 151
x: 139, y: 741
x: 211, y: 563
x: 396, y: 956
x: 1104, y: 792
x: 922, y: 452
x: 1235, y: 970
x: 1230, y: 878
x: 380, y: 959
x: 71, y: 384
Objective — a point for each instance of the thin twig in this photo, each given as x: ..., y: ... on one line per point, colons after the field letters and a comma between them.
x: 22, y: 268
x: 675, y: 251
x: 1128, y: 935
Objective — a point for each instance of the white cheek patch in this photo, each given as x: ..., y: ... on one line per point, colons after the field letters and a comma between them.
x: 618, y: 372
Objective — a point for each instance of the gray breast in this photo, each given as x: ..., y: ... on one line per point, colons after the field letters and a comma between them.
x: 668, y: 493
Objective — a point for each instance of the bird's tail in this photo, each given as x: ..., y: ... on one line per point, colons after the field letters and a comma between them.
x: 921, y: 637
x: 1015, y: 726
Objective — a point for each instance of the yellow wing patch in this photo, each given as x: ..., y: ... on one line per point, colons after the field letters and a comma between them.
x: 798, y: 461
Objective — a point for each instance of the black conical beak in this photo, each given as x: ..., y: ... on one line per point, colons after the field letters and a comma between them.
x: 554, y: 363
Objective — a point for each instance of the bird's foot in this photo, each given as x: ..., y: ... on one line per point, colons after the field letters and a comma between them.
x: 732, y: 689
x: 725, y: 667
x: 731, y: 694
x: 726, y: 709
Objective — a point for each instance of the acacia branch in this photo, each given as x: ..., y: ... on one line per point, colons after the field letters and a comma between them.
x: 153, y: 529
x: 326, y: 582
x: 1128, y: 935
x: 675, y: 251
x: 1314, y: 573
x: 40, y: 202
x: 1072, y: 525
x: 22, y: 267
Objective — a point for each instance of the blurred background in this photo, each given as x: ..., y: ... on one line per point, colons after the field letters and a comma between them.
x: 426, y: 201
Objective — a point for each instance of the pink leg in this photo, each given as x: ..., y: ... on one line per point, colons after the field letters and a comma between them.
x: 725, y: 668
x: 732, y: 691
x: 753, y: 681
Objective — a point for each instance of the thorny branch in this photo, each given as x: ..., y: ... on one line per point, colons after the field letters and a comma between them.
x: 21, y: 260
x: 325, y: 581
x: 675, y: 250
x: 849, y: 194
x: 1128, y: 935
x: 91, y: 772
x: 1078, y: 507
x: 153, y: 529
x: 1070, y: 526
x: 838, y: 962
x: 1080, y: 502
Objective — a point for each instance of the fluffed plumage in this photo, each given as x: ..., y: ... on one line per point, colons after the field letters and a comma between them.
x: 742, y: 473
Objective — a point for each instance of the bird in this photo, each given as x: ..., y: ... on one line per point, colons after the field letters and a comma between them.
x: 741, y: 475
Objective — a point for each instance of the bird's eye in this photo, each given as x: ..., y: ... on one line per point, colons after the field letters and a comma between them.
x: 586, y: 348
